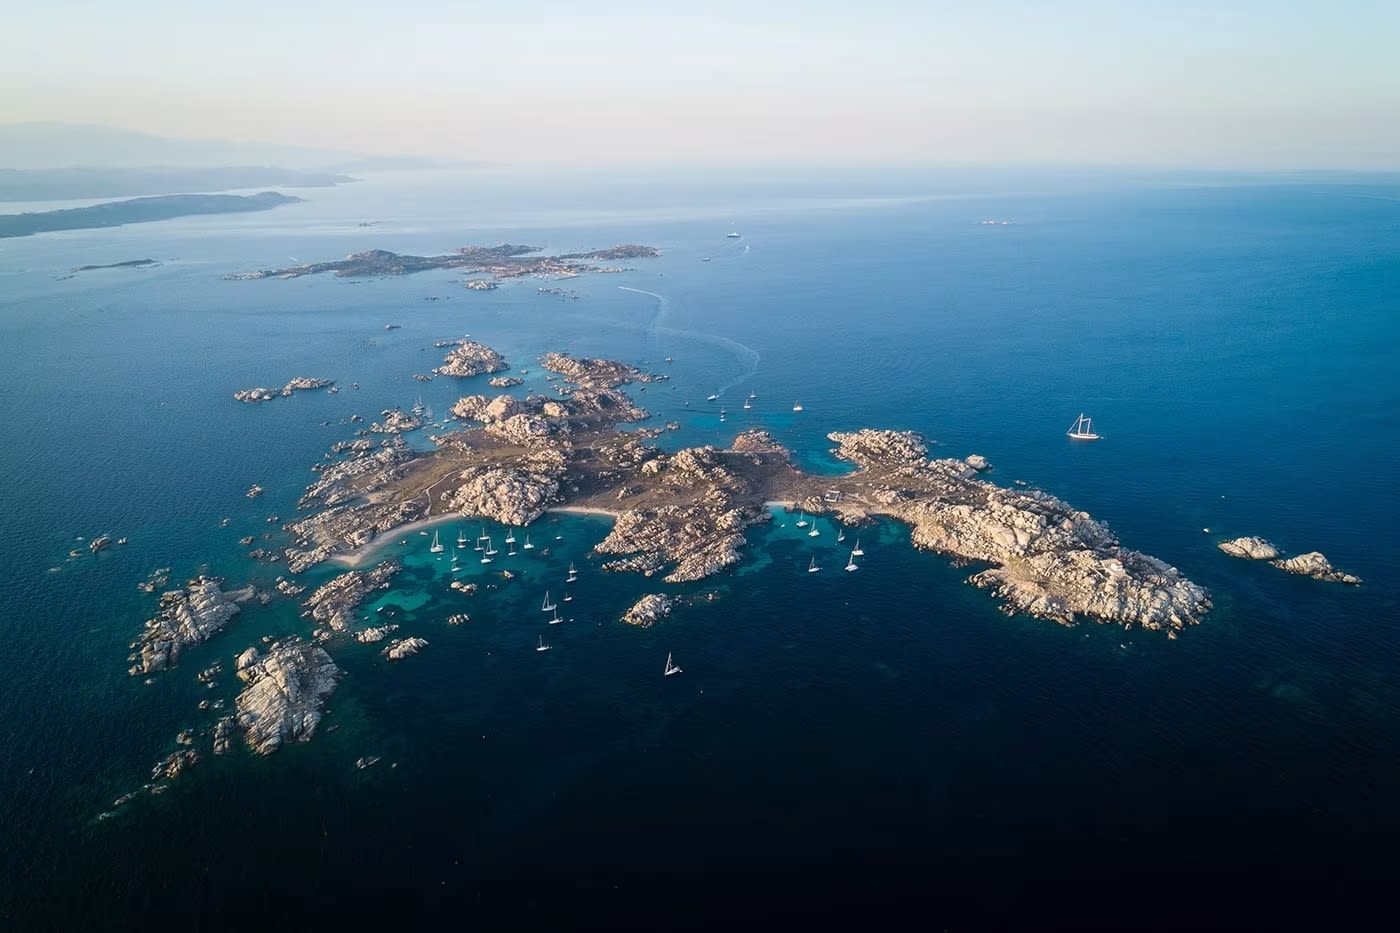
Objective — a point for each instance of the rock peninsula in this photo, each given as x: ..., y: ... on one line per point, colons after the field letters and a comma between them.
x: 298, y: 384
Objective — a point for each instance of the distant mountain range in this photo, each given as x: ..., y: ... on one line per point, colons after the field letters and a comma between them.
x: 61, y: 184
x: 65, y: 145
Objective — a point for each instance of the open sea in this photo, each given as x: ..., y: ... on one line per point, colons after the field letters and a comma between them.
x: 874, y: 739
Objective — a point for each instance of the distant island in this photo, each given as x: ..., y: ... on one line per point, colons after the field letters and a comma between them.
x: 505, y: 261
x: 138, y: 210
x: 92, y: 182
x: 127, y: 264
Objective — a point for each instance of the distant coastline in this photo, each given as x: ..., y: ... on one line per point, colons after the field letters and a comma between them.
x: 138, y: 210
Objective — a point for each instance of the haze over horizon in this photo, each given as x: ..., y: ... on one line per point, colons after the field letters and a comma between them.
x: 1249, y: 85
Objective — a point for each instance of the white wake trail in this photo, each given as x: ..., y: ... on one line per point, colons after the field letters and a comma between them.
x: 746, y: 354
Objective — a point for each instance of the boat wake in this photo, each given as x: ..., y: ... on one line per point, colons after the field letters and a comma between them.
x: 746, y: 354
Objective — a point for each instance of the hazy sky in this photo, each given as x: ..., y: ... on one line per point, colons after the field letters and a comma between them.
x: 1237, y: 84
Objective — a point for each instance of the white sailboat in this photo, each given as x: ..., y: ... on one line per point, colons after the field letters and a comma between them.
x: 511, y: 552
x: 556, y: 620
x: 748, y: 404
x: 797, y: 407
x: 671, y: 667
x: 1082, y: 429
x: 841, y: 535
x: 461, y: 538
x: 812, y: 567
x: 573, y: 574
x: 851, y: 564
x: 437, y: 547
x: 801, y: 520
x: 858, y: 552
x: 490, y: 549
x: 542, y: 646
x: 815, y: 531
x: 528, y: 546
x: 510, y: 536
x: 546, y: 606
x: 568, y: 597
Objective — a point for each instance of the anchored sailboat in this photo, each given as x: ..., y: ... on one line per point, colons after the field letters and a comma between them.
x: 671, y: 667
x: 851, y: 564
x: 556, y: 620
x: 801, y: 520
x: 1082, y: 429
x: 812, y: 567
x: 546, y: 606
x: 542, y: 646
x: 461, y: 538
x: 437, y: 547
x: 510, y: 536
x: 528, y: 546
x: 491, y: 549
x: 573, y: 574
x: 815, y: 531
x: 858, y: 552
x: 841, y: 535
x: 797, y: 407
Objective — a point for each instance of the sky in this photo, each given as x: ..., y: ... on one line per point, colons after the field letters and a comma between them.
x: 1229, y: 84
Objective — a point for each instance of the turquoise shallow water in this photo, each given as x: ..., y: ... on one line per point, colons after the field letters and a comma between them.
x: 873, y: 735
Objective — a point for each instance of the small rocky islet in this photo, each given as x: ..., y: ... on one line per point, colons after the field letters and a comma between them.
x: 1312, y: 564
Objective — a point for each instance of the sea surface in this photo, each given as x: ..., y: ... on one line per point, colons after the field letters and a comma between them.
x: 873, y: 738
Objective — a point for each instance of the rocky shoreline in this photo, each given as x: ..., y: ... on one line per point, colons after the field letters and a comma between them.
x: 1312, y: 564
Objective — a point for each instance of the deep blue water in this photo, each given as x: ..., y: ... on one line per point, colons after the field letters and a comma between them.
x: 869, y: 737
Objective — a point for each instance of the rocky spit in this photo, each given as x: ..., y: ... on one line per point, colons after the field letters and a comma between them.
x: 648, y: 610
x: 336, y: 602
x: 299, y: 384
x: 1314, y: 565
x: 284, y: 694
x: 1249, y: 548
x: 187, y: 617
x: 470, y: 358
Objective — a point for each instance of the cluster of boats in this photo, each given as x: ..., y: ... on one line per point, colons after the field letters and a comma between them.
x: 814, y: 532
x: 489, y: 551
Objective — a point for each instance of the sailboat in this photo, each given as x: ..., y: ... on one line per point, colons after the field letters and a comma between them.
x: 510, y: 536
x: 556, y: 620
x: 812, y: 567
x: 711, y: 398
x: 851, y: 564
x: 511, y: 552
x: 1082, y: 429
x: 461, y: 538
x: 528, y: 545
x: 671, y: 667
x: 858, y: 552
x: 748, y: 403
x: 797, y: 407
x: 840, y: 536
x: 568, y: 597
x: 814, y: 532
x: 491, y: 549
x: 802, y: 520
x: 542, y: 646
x: 418, y: 407
x: 485, y: 557
x: 573, y: 574
x: 546, y: 606
x: 437, y: 547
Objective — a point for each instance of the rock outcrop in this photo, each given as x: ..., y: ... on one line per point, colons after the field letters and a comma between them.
x: 396, y: 421
x: 648, y: 610
x: 300, y: 383
x: 510, y: 496
x: 470, y: 358
x: 1249, y: 548
x: 336, y: 601
x: 1313, y: 564
x: 186, y: 617
x: 284, y: 695
x: 401, y: 648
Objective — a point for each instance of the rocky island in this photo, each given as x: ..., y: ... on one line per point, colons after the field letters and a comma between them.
x: 1312, y: 564
x: 297, y: 384
x: 683, y: 515
x: 492, y: 264
x: 138, y: 210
